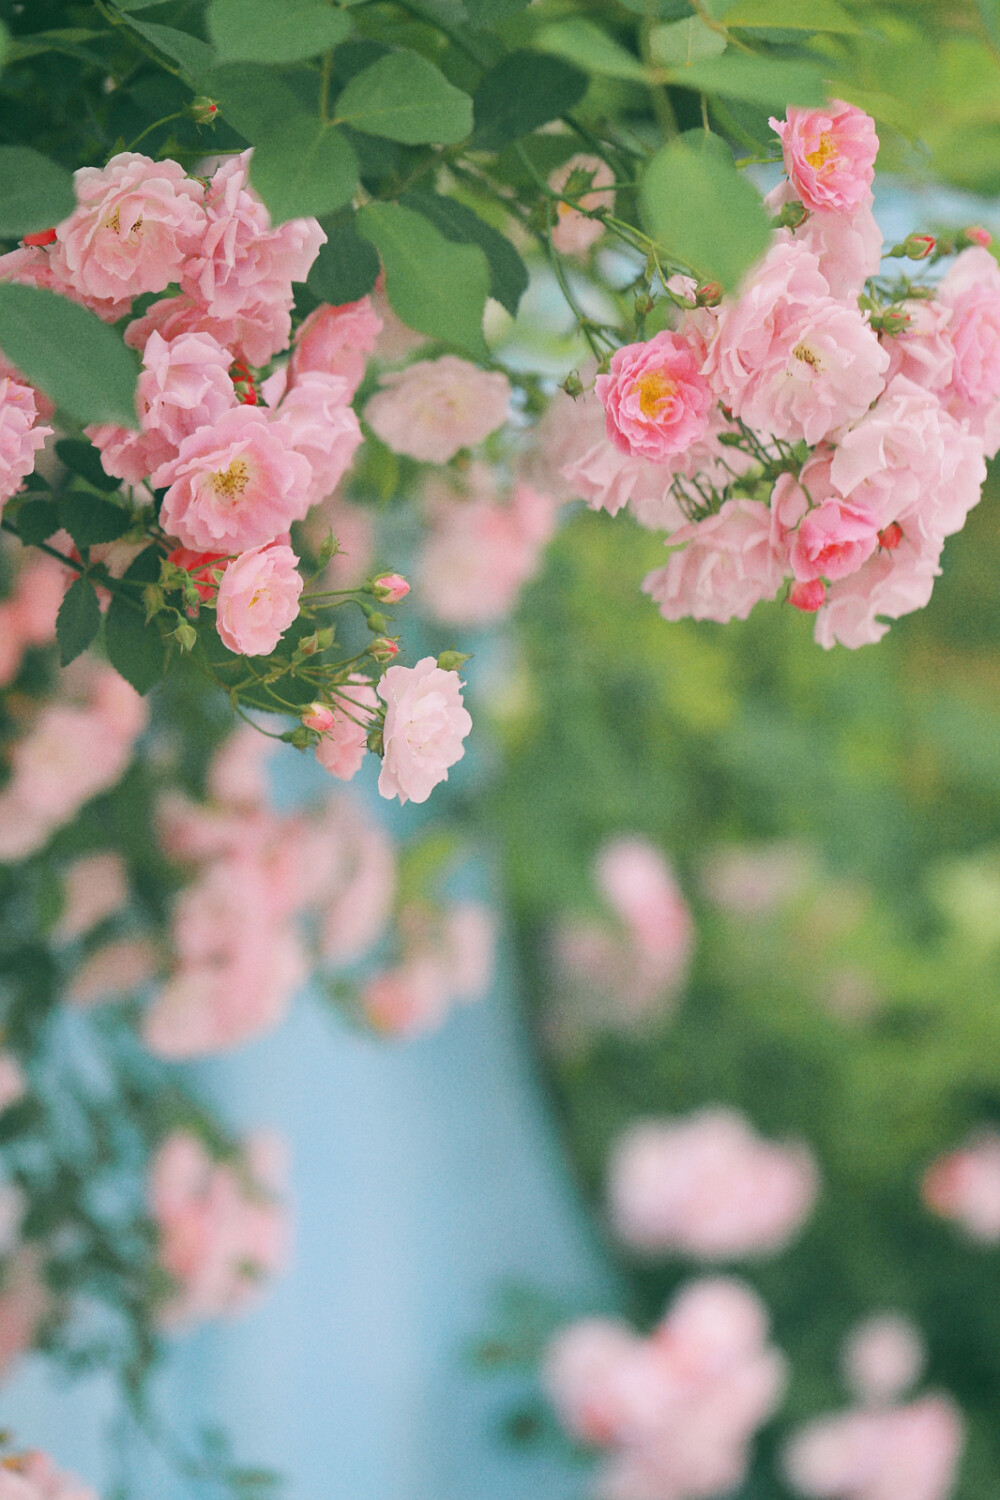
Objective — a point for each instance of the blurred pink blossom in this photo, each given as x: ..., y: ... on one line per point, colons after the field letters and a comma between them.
x: 33, y: 1476
x: 964, y: 1186
x: 894, y: 1453
x: 436, y: 407
x: 114, y: 970
x: 883, y: 1357
x: 25, y: 1303
x: 95, y: 886
x: 573, y: 233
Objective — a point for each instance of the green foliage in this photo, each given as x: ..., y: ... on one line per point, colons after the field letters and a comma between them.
x: 303, y: 166
x: 435, y: 286
x: 463, y: 226
x: 274, y: 31
x: 34, y: 191
x: 405, y: 98
x: 70, y: 354
x: 78, y: 620
x: 90, y: 520
x: 523, y: 91
x: 347, y: 266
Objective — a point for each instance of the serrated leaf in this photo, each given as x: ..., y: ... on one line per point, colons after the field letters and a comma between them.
x: 436, y: 287
x: 760, y: 80
x: 788, y: 15
x: 589, y: 46
x: 274, y: 31
x: 136, y: 650
x: 405, y: 98
x: 78, y: 620
x: 67, y: 351
x: 35, y: 192
x: 702, y: 211
x: 524, y: 90
x: 90, y: 520
x: 462, y: 225
x: 681, y: 43
x: 190, y: 53
x: 346, y: 267
x: 82, y: 458
x: 302, y: 166
x: 37, y: 520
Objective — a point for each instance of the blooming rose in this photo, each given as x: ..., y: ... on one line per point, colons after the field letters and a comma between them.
x: 832, y: 540
x: 889, y: 584
x: 425, y: 724
x: 135, y: 224
x: 971, y: 292
x: 655, y: 397
x: 728, y: 565
x: 20, y: 436
x: 33, y: 1476
x: 320, y: 423
x: 708, y: 1187
x: 436, y: 407
x: 573, y: 233
x: 336, y: 341
x: 898, y: 1453
x: 258, y: 599
x: 255, y: 334
x: 829, y: 154
x: 234, y: 485
x: 343, y: 743
x: 847, y: 244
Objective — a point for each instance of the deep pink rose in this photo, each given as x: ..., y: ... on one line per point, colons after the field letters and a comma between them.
x: 258, y: 599
x: 832, y: 540
x: 656, y: 399
x: 829, y: 154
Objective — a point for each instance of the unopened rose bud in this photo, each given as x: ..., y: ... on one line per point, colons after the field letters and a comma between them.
x: 375, y: 741
x: 203, y: 111
x: 919, y: 246
x: 643, y: 305
x: 390, y: 588
x: 974, y: 235
x: 807, y: 596
x: 40, y: 237
x: 378, y: 623
x: 792, y: 215
x: 709, y: 295
x: 893, y: 321
x: 319, y: 717
x: 383, y: 648
x: 186, y: 636
x: 890, y: 536
x: 300, y: 738
x: 308, y: 645
x: 450, y: 661
x: 573, y: 385
x: 329, y: 548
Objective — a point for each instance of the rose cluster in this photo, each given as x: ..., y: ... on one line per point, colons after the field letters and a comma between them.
x: 822, y: 431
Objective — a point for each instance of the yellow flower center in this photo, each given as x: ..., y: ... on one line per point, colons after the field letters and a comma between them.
x: 656, y: 390
x: 824, y: 153
x: 803, y: 352
x: 230, y: 483
x: 115, y: 222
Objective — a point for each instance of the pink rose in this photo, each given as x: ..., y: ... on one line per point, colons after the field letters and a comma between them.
x: 407, y: 1000
x: 255, y: 334
x: 923, y: 350
x: 336, y: 341
x: 900, y: 1453
x: 21, y: 436
x: 656, y: 399
x: 425, y: 724
x: 13, y: 1084
x: 573, y: 233
x: 356, y: 898
x: 258, y: 599
x: 33, y: 1476
x: 116, y: 969
x: 964, y: 1186
x: 829, y: 154
x: 729, y: 564
x: 185, y: 385
x: 847, y: 244
x: 436, y: 407
x: 234, y: 485
x: 320, y: 424
x: 136, y: 222
x: 832, y: 540
x: 344, y: 742
x: 638, y: 884
x: 883, y: 1357
x: 94, y: 887
x: 889, y: 584
x: 707, y: 1186
x: 971, y: 291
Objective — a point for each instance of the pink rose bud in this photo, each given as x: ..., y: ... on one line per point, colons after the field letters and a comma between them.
x: 383, y: 648
x: 808, y: 596
x: 709, y: 295
x: 390, y: 588
x: 974, y: 235
x: 319, y: 717
x: 919, y: 246
x: 890, y: 536
x: 48, y: 237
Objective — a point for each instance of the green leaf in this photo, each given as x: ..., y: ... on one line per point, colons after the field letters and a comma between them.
x: 5, y: 41
x: 524, y: 90
x: 90, y: 520
x: 69, y: 353
x: 435, y: 287
x: 81, y: 457
x: 702, y: 211
x: 136, y: 650
x: 788, y: 15
x: 346, y: 267
x: 406, y: 98
x: 485, y: 14
x: 274, y: 31
x: 37, y: 520
x: 590, y: 47
x: 462, y: 225
x: 761, y: 80
x: 251, y: 98
x: 78, y: 620
x: 303, y: 167
x: 35, y: 192
x: 191, y: 54
x: 681, y: 43
x: 660, y: 10
x: 989, y: 10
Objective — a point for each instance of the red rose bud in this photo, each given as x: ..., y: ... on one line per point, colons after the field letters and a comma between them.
x: 891, y: 536
x: 383, y: 648
x: 975, y: 235
x: 808, y: 596
x: 709, y: 295
x: 40, y: 237
x: 389, y: 588
x: 919, y: 246
x: 319, y: 717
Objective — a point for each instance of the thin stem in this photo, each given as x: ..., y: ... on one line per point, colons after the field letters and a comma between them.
x: 180, y: 114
